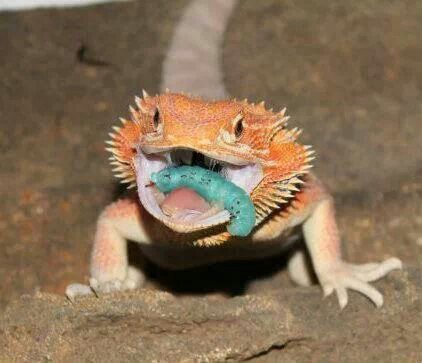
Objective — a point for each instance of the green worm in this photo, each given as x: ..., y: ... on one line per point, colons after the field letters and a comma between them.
x: 214, y: 188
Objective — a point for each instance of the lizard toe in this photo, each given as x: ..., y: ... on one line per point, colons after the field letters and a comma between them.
x: 343, y: 276
x: 74, y: 290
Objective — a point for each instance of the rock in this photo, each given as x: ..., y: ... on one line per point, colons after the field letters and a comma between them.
x: 152, y: 326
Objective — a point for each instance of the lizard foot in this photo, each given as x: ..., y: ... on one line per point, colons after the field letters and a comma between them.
x: 133, y: 280
x: 342, y: 276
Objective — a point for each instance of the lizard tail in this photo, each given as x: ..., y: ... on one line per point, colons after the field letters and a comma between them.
x: 13, y: 5
x: 193, y: 60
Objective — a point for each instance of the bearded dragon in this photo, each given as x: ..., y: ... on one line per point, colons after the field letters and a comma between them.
x: 249, y: 145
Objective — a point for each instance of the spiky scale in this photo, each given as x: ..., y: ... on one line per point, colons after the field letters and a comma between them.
x: 296, y: 180
x: 292, y: 187
x: 128, y: 180
x: 133, y: 112
x: 138, y: 100
x: 119, y: 168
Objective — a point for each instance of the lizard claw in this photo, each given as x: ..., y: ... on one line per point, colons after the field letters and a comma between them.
x: 327, y: 290
x: 74, y: 290
x: 343, y: 276
x: 106, y: 287
x: 133, y: 280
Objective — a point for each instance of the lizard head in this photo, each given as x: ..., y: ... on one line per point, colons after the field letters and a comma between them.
x: 248, y: 144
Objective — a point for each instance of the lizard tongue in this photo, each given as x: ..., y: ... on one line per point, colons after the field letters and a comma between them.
x: 184, y: 201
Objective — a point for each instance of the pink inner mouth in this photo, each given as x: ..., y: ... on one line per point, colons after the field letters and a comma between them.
x: 183, y: 209
x: 183, y: 201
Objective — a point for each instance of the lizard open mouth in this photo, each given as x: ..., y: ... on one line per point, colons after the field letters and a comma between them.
x: 183, y: 209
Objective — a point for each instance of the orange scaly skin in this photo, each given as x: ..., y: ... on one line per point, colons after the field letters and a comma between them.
x: 285, y: 196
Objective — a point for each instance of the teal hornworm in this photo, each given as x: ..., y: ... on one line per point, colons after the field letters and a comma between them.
x: 214, y: 188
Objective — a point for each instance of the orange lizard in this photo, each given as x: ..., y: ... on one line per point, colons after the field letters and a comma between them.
x: 254, y: 149
x: 250, y: 145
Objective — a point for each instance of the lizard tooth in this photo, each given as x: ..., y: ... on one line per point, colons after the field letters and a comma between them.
x: 117, y: 129
x: 122, y: 120
x: 110, y: 142
x: 144, y: 94
x: 168, y: 158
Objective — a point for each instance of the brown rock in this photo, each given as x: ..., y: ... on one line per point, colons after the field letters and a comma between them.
x: 150, y: 326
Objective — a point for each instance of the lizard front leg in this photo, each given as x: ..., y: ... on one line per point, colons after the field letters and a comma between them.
x: 323, y: 242
x: 109, y: 267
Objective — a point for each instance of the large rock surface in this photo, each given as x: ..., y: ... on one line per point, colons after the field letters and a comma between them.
x: 150, y: 326
x: 351, y: 76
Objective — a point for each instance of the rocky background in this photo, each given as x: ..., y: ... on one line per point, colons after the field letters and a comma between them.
x: 350, y: 74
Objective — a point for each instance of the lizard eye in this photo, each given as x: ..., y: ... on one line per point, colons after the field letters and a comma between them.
x: 238, y: 128
x: 156, y: 119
